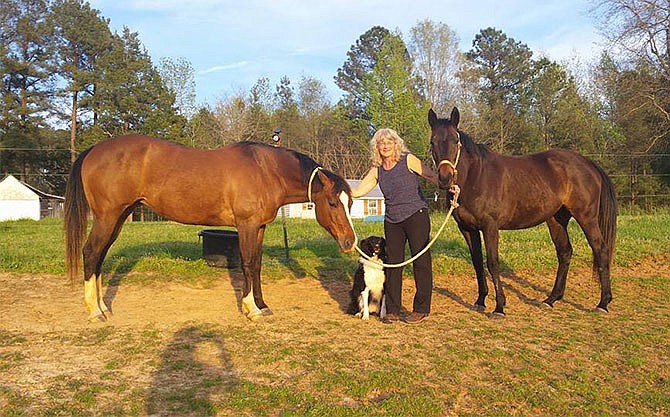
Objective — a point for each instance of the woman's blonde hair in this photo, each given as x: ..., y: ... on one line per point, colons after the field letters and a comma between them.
x: 386, y: 134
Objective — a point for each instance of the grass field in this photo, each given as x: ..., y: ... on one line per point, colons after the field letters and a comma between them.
x: 179, y: 346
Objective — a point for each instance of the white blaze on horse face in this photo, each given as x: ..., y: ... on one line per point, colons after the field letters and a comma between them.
x: 344, y: 198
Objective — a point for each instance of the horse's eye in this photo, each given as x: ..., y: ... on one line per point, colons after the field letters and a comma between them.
x: 332, y: 203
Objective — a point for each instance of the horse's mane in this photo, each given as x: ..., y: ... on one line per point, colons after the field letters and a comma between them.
x: 306, y: 164
x: 472, y: 147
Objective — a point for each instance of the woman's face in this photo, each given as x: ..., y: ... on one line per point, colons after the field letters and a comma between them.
x: 386, y: 148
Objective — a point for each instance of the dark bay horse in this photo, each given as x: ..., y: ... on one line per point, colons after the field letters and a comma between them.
x: 518, y: 192
x: 241, y: 185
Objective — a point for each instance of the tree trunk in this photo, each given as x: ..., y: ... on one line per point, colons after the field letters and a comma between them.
x: 73, y: 128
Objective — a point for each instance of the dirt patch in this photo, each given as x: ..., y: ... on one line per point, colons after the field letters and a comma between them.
x: 48, y: 348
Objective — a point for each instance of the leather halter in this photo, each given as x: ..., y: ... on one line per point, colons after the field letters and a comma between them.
x: 453, y: 164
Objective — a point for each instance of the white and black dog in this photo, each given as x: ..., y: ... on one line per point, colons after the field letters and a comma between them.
x: 367, y: 294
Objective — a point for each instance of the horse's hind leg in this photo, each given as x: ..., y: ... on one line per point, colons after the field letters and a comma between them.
x: 104, y: 232
x: 491, y: 240
x: 474, y: 241
x: 101, y: 233
x: 601, y: 257
x: 558, y: 229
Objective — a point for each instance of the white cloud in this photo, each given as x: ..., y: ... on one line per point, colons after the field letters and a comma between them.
x: 218, y: 68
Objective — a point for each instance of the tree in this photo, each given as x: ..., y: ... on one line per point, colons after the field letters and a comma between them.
x: 130, y: 95
x: 286, y: 115
x: 392, y: 98
x: 434, y: 48
x: 178, y: 76
x: 82, y: 36
x: 314, y: 110
x: 501, y: 67
x: 25, y: 64
x: 642, y: 30
x: 361, y: 59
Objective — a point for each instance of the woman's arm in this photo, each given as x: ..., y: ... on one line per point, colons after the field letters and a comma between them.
x: 415, y: 165
x: 366, y: 185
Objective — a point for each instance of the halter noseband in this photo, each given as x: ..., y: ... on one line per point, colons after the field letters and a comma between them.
x: 453, y: 164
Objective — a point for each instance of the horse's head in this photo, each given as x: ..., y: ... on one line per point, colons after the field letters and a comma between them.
x: 332, y: 205
x: 445, y: 146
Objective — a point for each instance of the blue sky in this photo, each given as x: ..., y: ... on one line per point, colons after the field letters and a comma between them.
x: 231, y: 44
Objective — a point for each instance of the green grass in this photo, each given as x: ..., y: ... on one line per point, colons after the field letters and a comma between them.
x: 171, y: 250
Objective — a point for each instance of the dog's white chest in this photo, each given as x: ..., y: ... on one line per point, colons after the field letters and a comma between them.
x: 373, y: 274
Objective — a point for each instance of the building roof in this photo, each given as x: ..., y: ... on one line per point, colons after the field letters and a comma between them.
x: 13, y: 189
x: 374, y: 194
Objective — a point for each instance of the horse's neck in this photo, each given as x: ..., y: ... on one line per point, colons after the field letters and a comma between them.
x: 469, y: 166
x: 297, y: 189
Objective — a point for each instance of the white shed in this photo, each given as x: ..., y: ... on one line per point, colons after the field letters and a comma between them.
x: 18, y: 201
x: 369, y: 207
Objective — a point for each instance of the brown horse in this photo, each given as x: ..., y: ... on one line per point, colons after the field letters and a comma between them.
x: 241, y: 185
x: 518, y: 192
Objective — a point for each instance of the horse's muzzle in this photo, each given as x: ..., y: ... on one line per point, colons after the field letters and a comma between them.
x: 445, y: 178
x: 346, y: 244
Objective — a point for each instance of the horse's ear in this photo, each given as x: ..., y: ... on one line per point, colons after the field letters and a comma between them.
x: 327, y: 182
x: 455, y: 116
x: 432, y: 117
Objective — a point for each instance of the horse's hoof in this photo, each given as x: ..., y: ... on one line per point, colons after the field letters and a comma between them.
x: 480, y: 307
x: 266, y: 311
x: 497, y: 316
x: 255, y: 315
x: 546, y: 305
x: 601, y: 310
x: 108, y: 314
x: 98, y: 318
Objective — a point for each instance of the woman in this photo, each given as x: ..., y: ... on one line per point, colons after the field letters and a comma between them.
x: 397, y: 171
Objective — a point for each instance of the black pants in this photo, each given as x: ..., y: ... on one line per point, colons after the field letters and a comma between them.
x: 416, y: 230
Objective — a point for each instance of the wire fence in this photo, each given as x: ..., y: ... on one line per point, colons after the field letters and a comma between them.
x: 642, y: 181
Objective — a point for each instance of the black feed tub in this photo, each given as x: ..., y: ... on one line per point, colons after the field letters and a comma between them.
x: 221, y: 248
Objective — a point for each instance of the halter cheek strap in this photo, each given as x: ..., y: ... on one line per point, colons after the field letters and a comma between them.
x: 453, y: 164
x: 309, y: 184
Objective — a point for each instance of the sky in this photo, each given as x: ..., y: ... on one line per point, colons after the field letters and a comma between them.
x: 231, y: 44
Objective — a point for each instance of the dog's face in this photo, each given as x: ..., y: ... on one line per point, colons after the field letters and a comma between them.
x: 374, y: 246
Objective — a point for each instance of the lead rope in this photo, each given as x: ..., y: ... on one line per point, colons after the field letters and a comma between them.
x: 309, y: 184
x: 454, y: 204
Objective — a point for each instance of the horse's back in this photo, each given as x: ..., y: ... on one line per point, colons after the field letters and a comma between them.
x: 523, y: 191
x: 183, y: 184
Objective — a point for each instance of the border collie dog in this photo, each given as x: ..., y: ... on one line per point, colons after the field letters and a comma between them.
x: 367, y: 294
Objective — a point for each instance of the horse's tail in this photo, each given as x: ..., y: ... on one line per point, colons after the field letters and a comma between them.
x: 607, y: 215
x: 76, y: 213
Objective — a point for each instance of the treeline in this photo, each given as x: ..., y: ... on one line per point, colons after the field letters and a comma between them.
x: 69, y: 81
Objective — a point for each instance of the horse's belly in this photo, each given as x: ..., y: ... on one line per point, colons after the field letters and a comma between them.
x: 193, y: 210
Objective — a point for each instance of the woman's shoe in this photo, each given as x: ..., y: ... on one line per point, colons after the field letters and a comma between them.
x: 415, y: 318
x: 391, y: 318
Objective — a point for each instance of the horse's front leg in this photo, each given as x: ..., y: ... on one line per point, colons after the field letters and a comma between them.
x: 491, y: 238
x: 474, y: 241
x: 258, y: 292
x: 250, y: 252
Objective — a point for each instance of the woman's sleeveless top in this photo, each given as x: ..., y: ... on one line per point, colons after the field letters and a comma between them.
x: 401, y: 191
